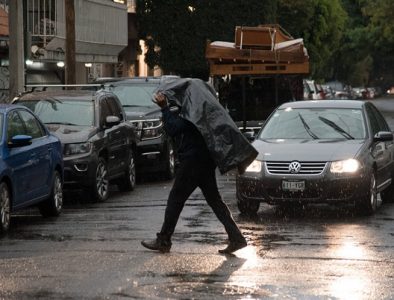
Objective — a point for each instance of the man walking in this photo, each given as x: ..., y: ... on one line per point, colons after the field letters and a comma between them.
x: 196, y: 169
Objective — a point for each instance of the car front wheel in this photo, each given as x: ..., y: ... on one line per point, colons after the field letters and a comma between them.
x: 388, y: 194
x: 5, y: 207
x: 367, y: 205
x: 100, y: 187
x: 169, y: 171
x: 127, y: 182
x: 249, y: 207
x: 52, y: 207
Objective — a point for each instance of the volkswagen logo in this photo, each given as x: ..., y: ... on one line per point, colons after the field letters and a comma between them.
x: 294, y: 167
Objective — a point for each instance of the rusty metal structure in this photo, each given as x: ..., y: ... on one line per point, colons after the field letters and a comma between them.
x: 262, y: 68
x: 265, y: 49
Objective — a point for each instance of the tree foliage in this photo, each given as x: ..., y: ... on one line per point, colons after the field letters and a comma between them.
x: 180, y: 29
x: 321, y: 24
x: 349, y: 40
x: 380, y: 32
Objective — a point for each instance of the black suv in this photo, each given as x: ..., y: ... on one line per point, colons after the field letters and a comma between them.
x: 98, y: 144
x: 155, y: 151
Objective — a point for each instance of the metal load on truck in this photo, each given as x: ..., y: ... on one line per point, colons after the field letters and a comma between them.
x: 265, y: 49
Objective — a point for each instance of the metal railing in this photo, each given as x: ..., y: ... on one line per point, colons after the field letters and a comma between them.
x: 4, y: 5
x: 42, y: 20
x: 44, y: 87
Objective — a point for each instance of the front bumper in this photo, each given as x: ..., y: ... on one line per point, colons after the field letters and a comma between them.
x: 326, y: 188
x: 152, y: 155
x: 80, y: 171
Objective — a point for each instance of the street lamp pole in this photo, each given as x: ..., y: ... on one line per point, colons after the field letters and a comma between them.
x: 16, y: 48
x: 70, y: 42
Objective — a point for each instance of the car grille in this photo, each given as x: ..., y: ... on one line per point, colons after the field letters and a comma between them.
x: 307, y: 168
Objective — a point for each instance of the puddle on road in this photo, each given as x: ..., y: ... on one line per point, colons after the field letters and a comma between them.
x: 40, y: 294
x: 386, y: 219
x: 194, y: 287
x: 38, y: 236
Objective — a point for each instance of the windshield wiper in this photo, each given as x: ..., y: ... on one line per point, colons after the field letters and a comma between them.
x: 131, y: 105
x: 61, y: 123
x: 337, y: 128
x: 307, y: 128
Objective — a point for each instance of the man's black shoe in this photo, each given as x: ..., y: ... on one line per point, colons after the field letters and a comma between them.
x: 234, y: 246
x: 157, y: 245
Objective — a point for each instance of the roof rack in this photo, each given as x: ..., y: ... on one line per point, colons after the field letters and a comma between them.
x: 45, y: 86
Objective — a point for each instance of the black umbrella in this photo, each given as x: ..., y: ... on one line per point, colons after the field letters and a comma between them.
x: 199, y: 105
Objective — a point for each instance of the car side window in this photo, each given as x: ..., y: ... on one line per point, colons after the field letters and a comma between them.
x: 105, y: 111
x: 372, y: 119
x: 33, y: 127
x: 381, y: 121
x: 14, y: 125
x: 115, y: 107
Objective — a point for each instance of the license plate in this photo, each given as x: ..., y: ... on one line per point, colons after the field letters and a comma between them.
x: 293, y: 185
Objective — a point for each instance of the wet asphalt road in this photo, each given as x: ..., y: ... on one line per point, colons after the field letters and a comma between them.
x: 93, y: 251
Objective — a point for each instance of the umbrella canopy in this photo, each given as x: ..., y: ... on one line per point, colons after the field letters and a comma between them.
x: 199, y: 105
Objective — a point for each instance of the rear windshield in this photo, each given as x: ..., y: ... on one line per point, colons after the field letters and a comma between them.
x: 69, y: 112
x: 135, y: 95
x: 326, y: 123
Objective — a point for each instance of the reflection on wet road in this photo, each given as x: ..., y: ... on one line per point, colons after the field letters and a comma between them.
x: 93, y: 251
x: 316, y: 253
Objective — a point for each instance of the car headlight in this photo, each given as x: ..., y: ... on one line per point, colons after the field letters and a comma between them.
x: 345, y: 166
x: 80, y: 148
x: 148, y: 129
x: 254, y: 167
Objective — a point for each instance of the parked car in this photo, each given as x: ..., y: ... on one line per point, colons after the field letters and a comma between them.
x: 31, y: 165
x: 328, y: 91
x: 321, y: 152
x: 155, y: 149
x: 359, y: 92
x: 98, y: 143
x: 312, y: 91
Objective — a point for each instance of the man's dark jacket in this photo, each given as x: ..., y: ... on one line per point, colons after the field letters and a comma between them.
x: 190, y: 143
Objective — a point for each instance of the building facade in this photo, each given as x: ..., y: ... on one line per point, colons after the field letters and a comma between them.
x: 106, y: 41
x: 100, y: 35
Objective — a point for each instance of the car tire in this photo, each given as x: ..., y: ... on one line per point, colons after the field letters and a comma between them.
x: 249, y: 207
x: 5, y: 208
x: 291, y: 207
x: 127, y: 182
x: 367, y: 204
x: 52, y: 206
x: 388, y: 194
x: 100, y: 186
x: 169, y: 171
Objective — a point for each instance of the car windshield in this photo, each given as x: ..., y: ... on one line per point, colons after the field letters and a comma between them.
x: 312, y: 123
x: 68, y: 112
x: 135, y: 95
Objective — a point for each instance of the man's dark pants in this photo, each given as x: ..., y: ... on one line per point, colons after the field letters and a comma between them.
x: 190, y: 175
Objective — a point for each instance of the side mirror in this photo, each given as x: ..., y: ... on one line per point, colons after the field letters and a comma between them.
x: 249, y: 135
x: 383, y: 136
x: 112, y: 121
x: 20, y: 141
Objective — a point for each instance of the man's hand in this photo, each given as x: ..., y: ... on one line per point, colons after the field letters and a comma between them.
x: 160, y: 100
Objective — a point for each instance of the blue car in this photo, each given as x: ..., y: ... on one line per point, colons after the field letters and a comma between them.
x: 31, y: 165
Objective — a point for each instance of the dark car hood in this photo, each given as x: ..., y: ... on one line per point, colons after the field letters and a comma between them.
x: 71, y: 134
x: 307, y: 150
x: 142, y: 112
